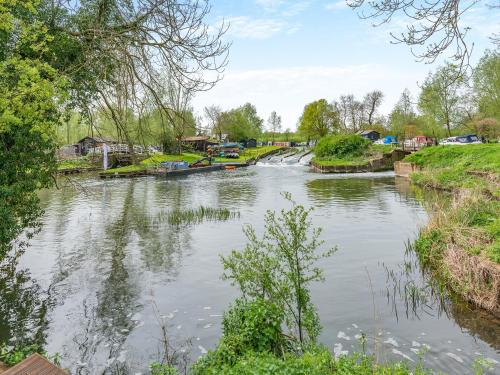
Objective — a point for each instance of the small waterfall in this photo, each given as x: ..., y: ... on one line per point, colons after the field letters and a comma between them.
x: 292, y: 158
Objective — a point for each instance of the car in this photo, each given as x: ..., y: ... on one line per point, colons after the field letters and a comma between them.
x: 461, y: 140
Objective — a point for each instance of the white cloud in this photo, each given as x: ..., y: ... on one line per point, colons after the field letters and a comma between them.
x: 296, y: 8
x: 288, y: 90
x: 337, y: 5
x: 286, y: 8
x: 260, y: 28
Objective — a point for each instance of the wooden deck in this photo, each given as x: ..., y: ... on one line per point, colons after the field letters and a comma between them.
x: 35, y: 364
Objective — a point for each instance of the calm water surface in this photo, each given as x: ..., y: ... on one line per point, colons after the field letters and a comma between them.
x: 112, y: 273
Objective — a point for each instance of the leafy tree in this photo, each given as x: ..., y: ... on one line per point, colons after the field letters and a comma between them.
x: 274, y: 123
x: 242, y: 123
x: 486, y: 82
x: 440, y: 97
x: 280, y: 266
x: 318, y: 119
x: 30, y: 102
x: 342, y: 146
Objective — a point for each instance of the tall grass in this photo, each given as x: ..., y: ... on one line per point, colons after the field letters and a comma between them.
x: 198, y: 215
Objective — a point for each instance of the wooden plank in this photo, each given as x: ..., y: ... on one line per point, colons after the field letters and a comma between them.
x: 35, y: 364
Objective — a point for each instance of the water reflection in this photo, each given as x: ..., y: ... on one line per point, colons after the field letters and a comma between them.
x: 23, y: 306
x: 414, y: 291
x: 351, y: 192
x: 237, y: 191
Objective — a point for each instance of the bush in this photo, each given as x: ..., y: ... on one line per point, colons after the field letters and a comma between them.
x: 342, y: 146
x: 258, y: 323
x: 248, y: 327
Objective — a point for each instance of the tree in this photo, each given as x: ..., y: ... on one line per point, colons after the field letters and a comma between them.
x: 31, y: 99
x: 242, y: 123
x: 440, y: 97
x: 402, y: 115
x: 486, y: 83
x: 434, y: 25
x: 371, y: 103
x: 280, y: 266
x: 213, y: 116
x: 342, y: 108
x: 318, y: 119
x: 274, y: 123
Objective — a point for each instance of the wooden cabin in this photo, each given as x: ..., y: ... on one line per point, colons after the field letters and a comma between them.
x: 198, y: 143
x: 84, y: 145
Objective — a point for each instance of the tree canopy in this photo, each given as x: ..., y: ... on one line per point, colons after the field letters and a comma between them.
x: 242, y: 123
x: 318, y: 119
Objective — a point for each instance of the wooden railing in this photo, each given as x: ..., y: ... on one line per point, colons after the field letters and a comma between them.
x: 120, y: 148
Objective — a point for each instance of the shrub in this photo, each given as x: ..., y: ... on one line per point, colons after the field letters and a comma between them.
x: 248, y: 327
x: 258, y: 323
x: 342, y: 146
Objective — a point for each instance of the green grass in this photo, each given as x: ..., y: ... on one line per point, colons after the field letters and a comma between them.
x: 154, y: 161
x: 74, y: 164
x: 481, y: 157
x: 462, y: 240
x: 248, y: 154
x: 318, y: 361
x: 332, y: 162
x: 457, y: 167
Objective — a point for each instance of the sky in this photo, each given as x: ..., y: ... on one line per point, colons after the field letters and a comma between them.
x: 287, y: 53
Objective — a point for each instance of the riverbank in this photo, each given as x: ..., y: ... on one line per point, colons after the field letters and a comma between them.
x: 151, y: 165
x: 461, y: 243
x: 376, y: 160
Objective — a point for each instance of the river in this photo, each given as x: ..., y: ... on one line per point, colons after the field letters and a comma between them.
x: 103, y: 277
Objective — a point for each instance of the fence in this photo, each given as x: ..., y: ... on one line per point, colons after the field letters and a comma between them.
x: 119, y: 148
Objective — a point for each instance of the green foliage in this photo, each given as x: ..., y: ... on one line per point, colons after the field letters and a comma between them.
x: 440, y: 98
x: 13, y: 356
x: 318, y: 361
x: 486, y: 80
x: 30, y: 110
x: 257, y: 323
x: 430, y: 246
x: 318, y: 120
x: 342, y: 146
x: 162, y: 369
x: 241, y: 123
x: 280, y: 266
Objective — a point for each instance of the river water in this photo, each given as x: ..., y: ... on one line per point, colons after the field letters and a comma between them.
x: 110, y: 275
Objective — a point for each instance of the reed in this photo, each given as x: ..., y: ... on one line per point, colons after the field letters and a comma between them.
x: 200, y: 214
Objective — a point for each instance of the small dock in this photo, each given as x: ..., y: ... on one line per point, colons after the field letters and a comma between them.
x: 35, y: 364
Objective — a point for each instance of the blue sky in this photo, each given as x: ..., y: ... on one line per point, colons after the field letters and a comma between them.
x: 286, y: 53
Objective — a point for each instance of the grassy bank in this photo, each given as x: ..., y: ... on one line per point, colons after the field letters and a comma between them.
x: 155, y: 160
x: 458, y: 167
x: 349, y: 151
x: 81, y: 163
x: 461, y: 243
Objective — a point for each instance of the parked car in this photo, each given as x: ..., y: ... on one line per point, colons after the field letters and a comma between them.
x: 461, y: 140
